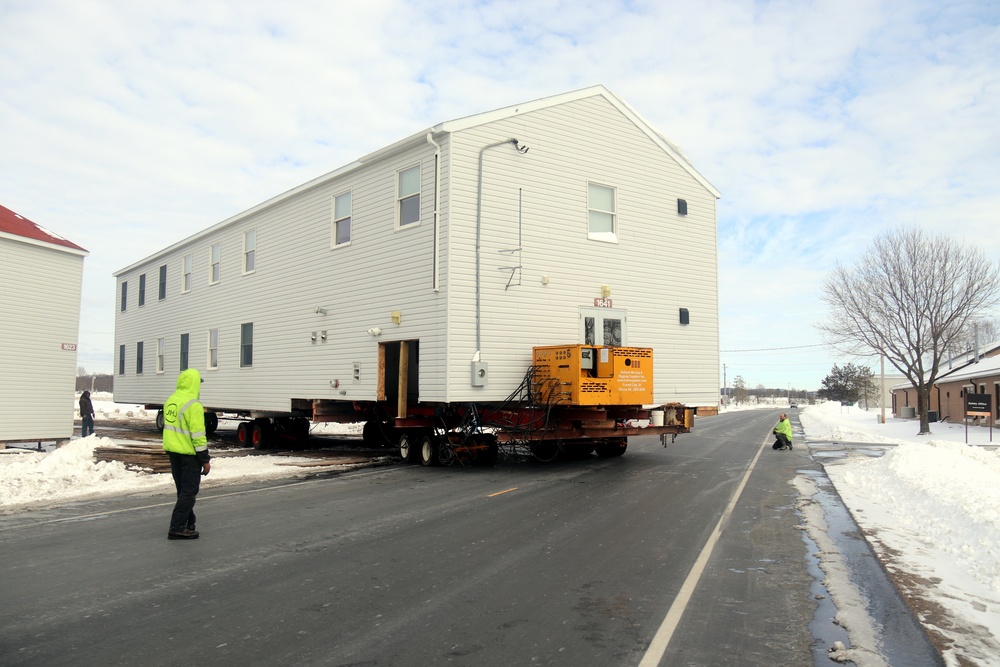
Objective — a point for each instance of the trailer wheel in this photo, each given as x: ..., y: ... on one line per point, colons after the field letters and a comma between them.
x: 489, y: 457
x: 429, y: 451
x: 243, y: 434
x: 611, y: 448
x: 211, y: 423
x: 376, y: 434
x: 260, y: 434
x: 407, y: 448
x: 159, y: 420
x: 545, y: 450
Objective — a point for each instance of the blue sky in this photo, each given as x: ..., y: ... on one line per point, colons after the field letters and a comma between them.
x: 128, y: 126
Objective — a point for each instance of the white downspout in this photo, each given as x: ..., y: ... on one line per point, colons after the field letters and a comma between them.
x: 479, y: 221
x: 437, y: 203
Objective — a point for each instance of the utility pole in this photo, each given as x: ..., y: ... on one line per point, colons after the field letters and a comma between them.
x: 725, y: 392
x: 881, y: 398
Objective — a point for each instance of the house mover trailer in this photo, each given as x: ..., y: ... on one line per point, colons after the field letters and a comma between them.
x: 542, y: 275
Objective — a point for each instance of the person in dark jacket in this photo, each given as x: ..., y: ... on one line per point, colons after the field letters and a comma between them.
x: 186, y: 443
x: 86, y: 415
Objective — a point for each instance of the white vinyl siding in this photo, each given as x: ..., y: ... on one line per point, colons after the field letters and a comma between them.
x: 535, y: 201
x: 40, y: 289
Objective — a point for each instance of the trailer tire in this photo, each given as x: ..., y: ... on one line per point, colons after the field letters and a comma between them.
x: 429, y: 450
x: 611, y: 448
x: 260, y: 434
x: 159, y: 420
x: 489, y: 457
x: 376, y: 434
x: 545, y: 450
x: 211, y: 423
x: 243, y: 434
x: 407, y: 447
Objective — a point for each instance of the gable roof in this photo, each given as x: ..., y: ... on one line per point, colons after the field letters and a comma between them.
x: 427, y: 135
x: 15, y: 225
x: 660, y: 140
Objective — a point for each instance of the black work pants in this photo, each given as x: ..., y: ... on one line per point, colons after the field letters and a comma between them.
x: 781, y: 442
x: 186, y: 470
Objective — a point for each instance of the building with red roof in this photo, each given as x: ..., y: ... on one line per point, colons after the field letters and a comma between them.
x: 41, y: 278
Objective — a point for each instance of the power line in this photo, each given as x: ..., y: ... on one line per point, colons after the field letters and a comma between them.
x: 775, y: 349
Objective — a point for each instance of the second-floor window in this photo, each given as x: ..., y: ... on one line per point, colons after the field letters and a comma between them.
x: 249, y: 250
x: 408, y: 196
x: 601, y: 213
x: 124, y: 296
x: 342, y: 219
x: 142, y: 290
x: 215, y: 263
x: 163, y: 282
x: 186, y: 277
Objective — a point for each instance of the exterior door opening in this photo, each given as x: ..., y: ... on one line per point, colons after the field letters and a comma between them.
x: 399, y: 377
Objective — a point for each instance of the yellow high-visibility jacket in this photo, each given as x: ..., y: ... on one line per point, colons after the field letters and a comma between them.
x: 184, y: 418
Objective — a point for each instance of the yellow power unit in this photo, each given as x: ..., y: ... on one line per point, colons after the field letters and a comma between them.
x: 592, y: 375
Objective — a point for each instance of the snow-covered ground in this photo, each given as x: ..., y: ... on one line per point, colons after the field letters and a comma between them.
x: 929, y: 504
x: 32, y: 480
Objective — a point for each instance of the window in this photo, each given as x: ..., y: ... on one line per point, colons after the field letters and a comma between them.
x: 246, y: 345
x: 601, y: 213
x: 163, y: 282
x: 342, y: 219
x: 186, y: 277
x: 249, y: 250
x: 138, y: 358
x: 142, y: 290
x: 213, y: 348
x: 185, y: 341
x: 215, y: 262
x: 124, y: 296
x: 160, y: 345
x: 408, y: 195
x: 121, y: 360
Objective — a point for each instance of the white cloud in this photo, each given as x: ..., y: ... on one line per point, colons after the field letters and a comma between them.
x: 128, y: 126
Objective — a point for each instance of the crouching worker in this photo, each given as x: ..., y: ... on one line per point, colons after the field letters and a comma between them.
x: 186, y: 443
x: 782, y: 433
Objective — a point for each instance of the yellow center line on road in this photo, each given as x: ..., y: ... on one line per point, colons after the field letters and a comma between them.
x: 500, y: 493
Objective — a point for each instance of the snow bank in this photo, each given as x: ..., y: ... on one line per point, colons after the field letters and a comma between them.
x: 38, y: 479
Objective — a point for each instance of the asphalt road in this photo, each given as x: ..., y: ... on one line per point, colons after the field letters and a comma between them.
x: 567, y: 563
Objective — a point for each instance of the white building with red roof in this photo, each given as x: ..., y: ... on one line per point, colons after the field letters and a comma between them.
x: 41, y: 277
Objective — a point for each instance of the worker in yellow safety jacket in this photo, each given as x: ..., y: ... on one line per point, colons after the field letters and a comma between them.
x: 783, y: 433
x: 186, y: 444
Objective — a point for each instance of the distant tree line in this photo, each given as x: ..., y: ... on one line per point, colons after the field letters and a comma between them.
x: 740, y: 393
x: 92, y: 382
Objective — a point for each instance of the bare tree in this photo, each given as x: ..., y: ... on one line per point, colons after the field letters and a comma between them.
x: 909, y: 298
x: 740, y: 389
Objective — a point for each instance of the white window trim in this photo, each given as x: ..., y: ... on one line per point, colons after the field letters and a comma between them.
x: 208, y: 350
x: 419, y: 193
x: 212, y: 264
x: 186, y: 275
x: 335, y: 219
x: 604, y: 237
x: 254, y: 269
x: 161, y: 354
x: 243, y: 344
